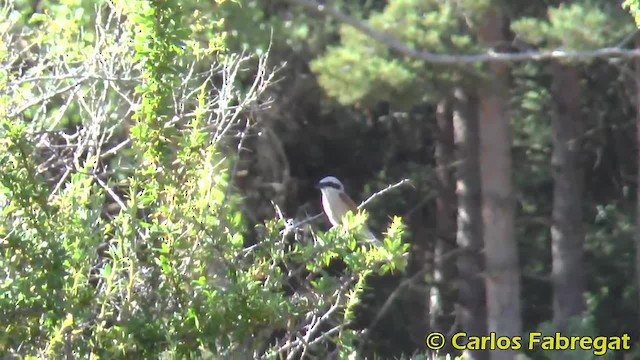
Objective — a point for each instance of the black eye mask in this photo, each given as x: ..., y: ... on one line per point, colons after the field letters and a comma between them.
x: 329, y: 184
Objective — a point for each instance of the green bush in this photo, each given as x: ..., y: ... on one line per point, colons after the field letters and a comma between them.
x: 119, y: 234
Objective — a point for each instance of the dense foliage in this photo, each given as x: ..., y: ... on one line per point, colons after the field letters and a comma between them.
x: 120, y: 233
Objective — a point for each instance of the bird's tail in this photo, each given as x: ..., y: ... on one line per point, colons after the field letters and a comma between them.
x: 371, y: 238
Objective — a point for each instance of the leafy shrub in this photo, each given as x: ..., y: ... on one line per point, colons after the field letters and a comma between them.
x: 119, y: 233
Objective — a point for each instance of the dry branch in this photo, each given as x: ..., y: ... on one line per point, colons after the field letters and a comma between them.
x: 451, y: 59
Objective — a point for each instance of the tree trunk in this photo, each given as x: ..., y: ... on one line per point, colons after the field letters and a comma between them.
x: 471, y: 295
x: 501, y: 255
x: 567, y: 231
x: 444, y: 272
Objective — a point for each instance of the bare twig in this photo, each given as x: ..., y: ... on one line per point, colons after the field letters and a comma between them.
x: 383, y: 191
x: 112, y: 193
x: 313, y: 322
x: 115, y: 149
x: 313, y: 329
x: 44, y: 98
x: 396, y: 292
x: 80, y: 75
x: 234, y: 170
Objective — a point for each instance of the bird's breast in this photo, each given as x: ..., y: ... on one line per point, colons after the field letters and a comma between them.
x: 334, y: 207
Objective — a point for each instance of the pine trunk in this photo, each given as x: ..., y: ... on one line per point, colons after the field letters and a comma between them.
x: 567, y: 231
x: 444, y: 272
x: 471, y: 295
x: 501, y: 255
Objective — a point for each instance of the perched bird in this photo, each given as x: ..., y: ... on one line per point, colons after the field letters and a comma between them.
x: 336, y: 203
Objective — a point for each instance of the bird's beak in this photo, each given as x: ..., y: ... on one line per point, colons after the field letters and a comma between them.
x: 318, y: 186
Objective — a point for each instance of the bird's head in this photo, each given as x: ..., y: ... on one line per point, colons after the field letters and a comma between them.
x: 330, y: 182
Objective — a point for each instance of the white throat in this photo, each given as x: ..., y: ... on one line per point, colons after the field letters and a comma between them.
x: 333, y: 205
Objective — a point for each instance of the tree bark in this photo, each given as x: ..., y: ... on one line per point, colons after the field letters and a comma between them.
x: 501, y: 255
x: 471, y: 295
x: 567, y: 230
x: 442, y: 295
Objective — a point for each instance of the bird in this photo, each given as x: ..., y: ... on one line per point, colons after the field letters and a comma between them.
x: 336, y: 203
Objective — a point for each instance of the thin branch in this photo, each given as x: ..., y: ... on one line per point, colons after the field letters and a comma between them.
x: 115, y: 149
x: 60, y: 182
x: 80, y: 75
x: 234, y: 170
x: 383, y: 191
x: 314, y: 322
x: 398, y: 45
x: 45, y: 97
x: 392, y: 297
x: 314, y: 329
x: 112, y: 193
